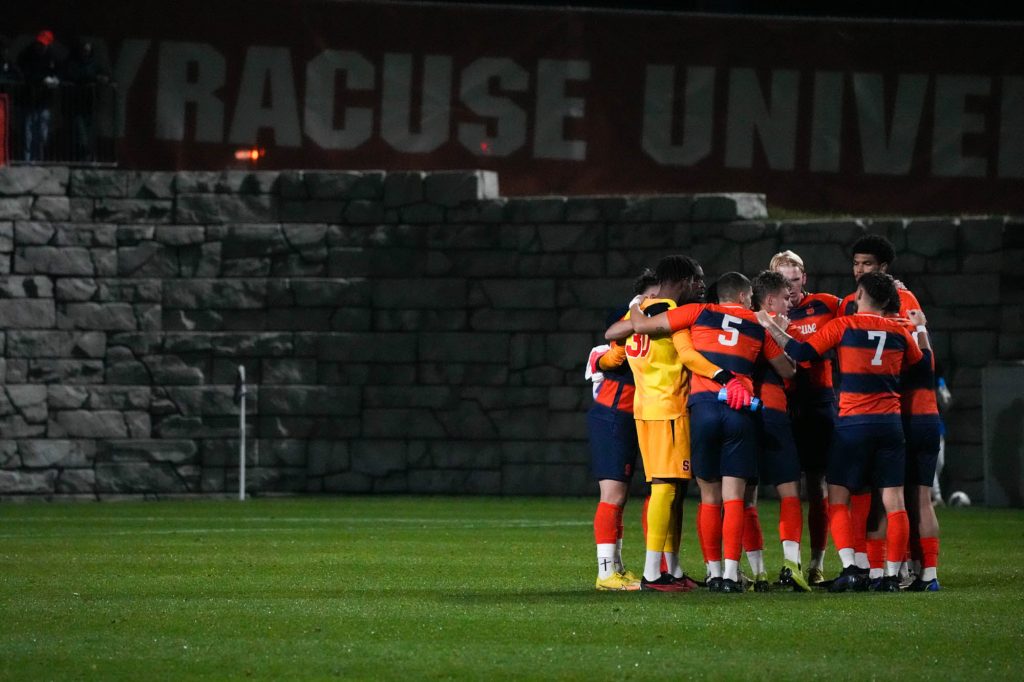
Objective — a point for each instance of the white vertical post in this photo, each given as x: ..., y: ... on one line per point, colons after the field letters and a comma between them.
x: 240, y: 392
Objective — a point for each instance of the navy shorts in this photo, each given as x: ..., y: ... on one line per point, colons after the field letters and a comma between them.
x: 867, y: 452
x: 813, y: 424
x: 779, y: 460
x: 613, y: 445
x: 922, y: 434
x: 723, y: 441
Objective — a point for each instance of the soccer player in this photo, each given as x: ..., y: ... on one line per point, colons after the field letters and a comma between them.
x: 811, y: 402
x: 613, y: 449
x: 780, y: 463
x: 659, y: 409
x: 724, y: 440
x: 922, y: 428
x: 872, y: 253
x: 873, y: 351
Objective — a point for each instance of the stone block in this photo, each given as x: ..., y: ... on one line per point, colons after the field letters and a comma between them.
x: 52, y: 260
x: 15, y: 208
x: 961, y: 290
x: 51, y: 208
x: 309, y: 400
x: 289, y: 371
x: 347, y: 482
x: 94, y: 182
x: 76, y: 482
x: 53, y: 452
x: 19, y: 180
x: 727, y: 207
x: 981, y: 235
x: 530, y: 294
x: 140, y: 478
x: 419, y: 293
x: 594, y: 209
x: 6, y: 237
x: 536, y: 210
x: 541, y: 479
x: 169, y: 370
x: 225, y: 208
x: 149, y: 185
x: 87, y: 424
x: 219, y: 294
x: 554, y: 238
x: 26, y: 287
x: 493, y: 320
x: 468, y: 347
x: 172, y: 451
x: 56, y: 344
x: 27, y: 314
x: 198, y: 401
x: 96, y: 316
x: 47, y: 371
x: 67, y: 397
x: 931, y: 237
x: 77, y: 234
x: 29, y: 401
x: 452, y: 188
x: 28, y: 482
x: 344, y: 185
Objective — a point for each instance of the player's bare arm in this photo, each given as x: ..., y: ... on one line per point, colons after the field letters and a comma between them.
x: 920, y: 333
x: 651, y: 326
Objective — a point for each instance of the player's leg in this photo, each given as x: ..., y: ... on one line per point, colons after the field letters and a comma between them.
x: 812, y: 432
x: 613, y: 456
x: 738, y: 465
x: 753, y: 538
x: 664, y: 470
x: 845, y: 473
x: 780, y: 466
x: 705, y: 445
x: 928, y: 529
x: 860, y: 509
x: 876, y: 525
x: 607, y: 521
x: 889, y: 473
x: 923, y: 452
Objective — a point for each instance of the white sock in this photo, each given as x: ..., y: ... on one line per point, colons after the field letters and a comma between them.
x: 732, y: 570
x: 672, y: 563
x: 875, y: 573
x: 791, y: 551
x: 605, y: 560
x: 817, y: 559
x: 860, y: 559
x: 847, y: 555
x: 652, y: 565
x: 904, y: 569
x: 715, y: 569
x: 929, y: 574
x: 892, y: 567
x: 619, y: 566
x: 755, y: 558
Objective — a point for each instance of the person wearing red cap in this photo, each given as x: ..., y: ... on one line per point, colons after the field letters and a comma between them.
x: 39, y: 67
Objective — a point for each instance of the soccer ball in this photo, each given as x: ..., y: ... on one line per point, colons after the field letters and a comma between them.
x: 959, y: 499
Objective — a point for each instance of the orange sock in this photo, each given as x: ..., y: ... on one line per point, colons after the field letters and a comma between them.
x: 732, y: 529
x: 839, y: 523
x: 700, y: 529
x: 860, y: 509
x: 876, y: 552
x: 606, y: 522
x: 711, y: 532
x: 790, y: 519
x: 897, y: 537
x: 930, y: 552
x: 818, y: 524
x: 753, y: 538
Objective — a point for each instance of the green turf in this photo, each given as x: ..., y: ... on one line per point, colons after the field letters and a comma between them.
x: 457, y: 588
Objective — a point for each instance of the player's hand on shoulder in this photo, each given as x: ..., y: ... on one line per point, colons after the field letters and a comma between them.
x: 917, y: 318
x: 899, y: 284
x: 765, y: 319
x: 636, y: 300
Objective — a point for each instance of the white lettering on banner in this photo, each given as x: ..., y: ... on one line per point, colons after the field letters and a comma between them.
x: 659, y: 113
x: 1011, y: 129
x: 553, y: 107
x: 319, y: 114
x: 509, y: 120
x: 775, y: 123
x: 826, y: 121
x: 176, y: 88
x: 891, y: 154
x: 396, y: 103
x: 952, y: 123
x: 267, y: 66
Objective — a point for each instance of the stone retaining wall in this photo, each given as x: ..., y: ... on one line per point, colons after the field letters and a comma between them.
x: 403, y: 332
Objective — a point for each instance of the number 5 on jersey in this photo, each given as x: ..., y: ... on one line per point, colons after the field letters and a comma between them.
x: 732, y: 335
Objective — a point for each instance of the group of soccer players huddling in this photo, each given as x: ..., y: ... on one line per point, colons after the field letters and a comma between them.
x: 734, y: 386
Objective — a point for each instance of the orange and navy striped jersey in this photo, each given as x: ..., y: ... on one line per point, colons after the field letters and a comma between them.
x: 770, y: 387
x: 728, y: 335
x: 872, y: 352
x: 661, y: 384
x: 813, y: 380
x: 616, y: 391
x: 917, y: 387
x: 907, y: 302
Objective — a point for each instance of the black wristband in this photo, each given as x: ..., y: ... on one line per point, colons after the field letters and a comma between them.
x: 723, y: 376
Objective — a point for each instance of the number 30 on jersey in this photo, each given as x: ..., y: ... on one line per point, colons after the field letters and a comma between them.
x: 638, y: 346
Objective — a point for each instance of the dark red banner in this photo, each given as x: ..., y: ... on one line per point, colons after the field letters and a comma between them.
x: 865, y: 116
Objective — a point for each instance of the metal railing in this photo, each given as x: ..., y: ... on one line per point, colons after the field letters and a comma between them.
x: 67, y: 123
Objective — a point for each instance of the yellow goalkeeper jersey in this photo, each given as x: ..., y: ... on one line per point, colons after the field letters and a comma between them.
x: 660, y: 368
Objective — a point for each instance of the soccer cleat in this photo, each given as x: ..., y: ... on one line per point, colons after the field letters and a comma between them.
x: 761, y: 583
x: 890, y: 583
x: 617, y: 582
x: 687, y: 582
x: 714, y: 584
x: 852, y: 578
x: 665, y: 583
x: 729, y: 585
x: 630, y: 576
x: 815, y: 577
x: 923, y: 586
x: 908, y: 580
x: 790, y: 576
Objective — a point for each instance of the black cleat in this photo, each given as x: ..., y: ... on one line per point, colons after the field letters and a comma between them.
x: 664, y: 583
x: 762, y: 586
x: 731, y: 586
x: 890, y: 583
x: 923, y: 586
x: 714, y: 584
x: 852, y: 579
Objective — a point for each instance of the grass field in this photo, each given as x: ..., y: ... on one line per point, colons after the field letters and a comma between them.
x: 441, y: 588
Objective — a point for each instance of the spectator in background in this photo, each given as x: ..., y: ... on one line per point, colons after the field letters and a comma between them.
x: 84, y: 72
x: 10, y: 74
x: 39, y: 66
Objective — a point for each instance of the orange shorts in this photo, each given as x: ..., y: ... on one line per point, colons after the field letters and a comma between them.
x: 665, y: 447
